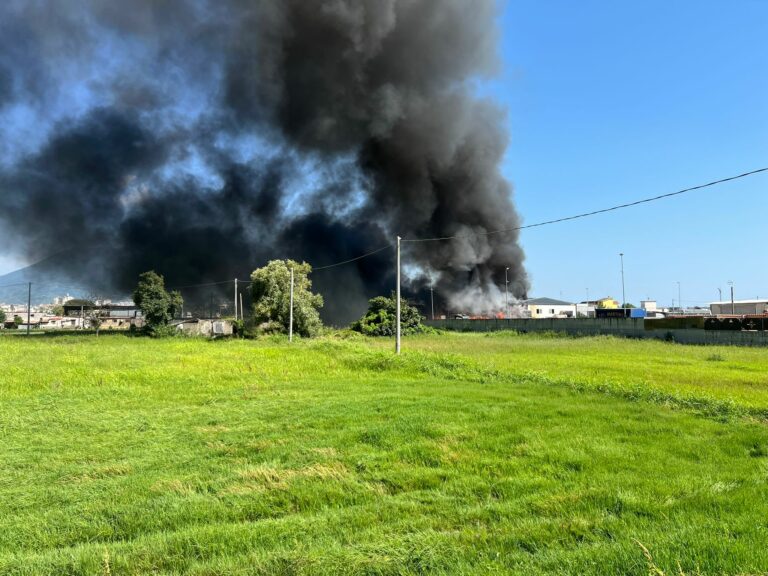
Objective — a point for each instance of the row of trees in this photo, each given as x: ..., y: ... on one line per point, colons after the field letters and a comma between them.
x: 270, y: 290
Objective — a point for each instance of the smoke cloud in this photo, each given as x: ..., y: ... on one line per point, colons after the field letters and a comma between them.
x: 202, y: 138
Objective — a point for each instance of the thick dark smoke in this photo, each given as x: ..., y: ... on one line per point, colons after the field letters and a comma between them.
x: 202, y: 138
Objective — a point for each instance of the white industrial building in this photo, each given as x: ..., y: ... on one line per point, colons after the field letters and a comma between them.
x: 548, y: 308
x: 740, y: 307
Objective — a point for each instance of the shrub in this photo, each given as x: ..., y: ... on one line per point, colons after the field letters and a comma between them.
x: 381, y: 318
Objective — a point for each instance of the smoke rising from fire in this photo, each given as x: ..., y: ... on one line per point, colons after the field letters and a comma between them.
x: 202, y: 138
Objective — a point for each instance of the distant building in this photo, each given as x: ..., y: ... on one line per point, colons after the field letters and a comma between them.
x: 108, y: 309
x: 548, y: 308
x: 740, y: 307
x: 604, y: 303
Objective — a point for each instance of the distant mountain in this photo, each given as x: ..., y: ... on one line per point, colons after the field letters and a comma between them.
x: 49, y: 280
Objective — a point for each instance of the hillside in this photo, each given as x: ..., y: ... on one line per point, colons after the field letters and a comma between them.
x: 48, y: 279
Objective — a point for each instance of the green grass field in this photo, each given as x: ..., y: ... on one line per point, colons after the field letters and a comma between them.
x: 470, y: 454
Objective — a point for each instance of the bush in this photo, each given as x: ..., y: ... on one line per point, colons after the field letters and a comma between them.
x: 381, y: 318
x: 163, y: 331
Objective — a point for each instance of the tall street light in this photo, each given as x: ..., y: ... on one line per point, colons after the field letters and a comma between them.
x: 432, y: 297
x: 623, y: 294
x: 506, y: 290
x: 733, y: 305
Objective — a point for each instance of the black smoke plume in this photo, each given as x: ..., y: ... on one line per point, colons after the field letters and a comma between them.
x: 201, y: 138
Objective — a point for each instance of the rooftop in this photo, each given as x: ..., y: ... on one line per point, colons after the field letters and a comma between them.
x: 546, y: 302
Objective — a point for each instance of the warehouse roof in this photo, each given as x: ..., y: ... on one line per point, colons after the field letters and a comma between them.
x: 547, y: 302
x: 728, y: 302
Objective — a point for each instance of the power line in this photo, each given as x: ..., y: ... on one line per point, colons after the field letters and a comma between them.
x: 371, y: 253
x: 593, y: 213
x: 201, y: 285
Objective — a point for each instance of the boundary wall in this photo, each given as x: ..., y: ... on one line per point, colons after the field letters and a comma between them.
x: 625, y: 327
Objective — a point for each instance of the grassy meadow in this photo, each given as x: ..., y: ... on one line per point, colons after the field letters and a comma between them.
x: 469, y: 454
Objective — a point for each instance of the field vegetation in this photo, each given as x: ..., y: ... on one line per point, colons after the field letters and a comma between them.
x: 469, y: 454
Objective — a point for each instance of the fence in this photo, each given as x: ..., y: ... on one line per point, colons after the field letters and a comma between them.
x: 624, y: 327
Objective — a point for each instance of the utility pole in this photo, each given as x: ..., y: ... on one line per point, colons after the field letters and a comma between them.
x: 679, y: 298
x: 397, y: 323
x: 29, y: 306
x: 242, y: 317
x: 623, y: 294
x: 235, y: 299
x: 733, y: 305
x: 432, y: 297
x: 506, y: 291
x: 720, y: 292
x: 290, y: 314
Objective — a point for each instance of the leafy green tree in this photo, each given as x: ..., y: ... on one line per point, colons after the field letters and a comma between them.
x: 271, y: 290
x: 381, y: 318
x: 157, y: 305
x: 628, y: 305
x: 17, y: 321
x: 176, y: 303
x: 2, y: 317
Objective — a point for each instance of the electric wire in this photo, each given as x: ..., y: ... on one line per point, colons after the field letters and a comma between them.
x: 593, y: 213
x: 501, y: 231
x: 371, y: 253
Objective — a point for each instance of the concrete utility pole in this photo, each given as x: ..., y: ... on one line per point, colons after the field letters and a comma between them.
x: 720, y: 292
x: 290, y: 314
x: 29, y: 306
x: 242, y: 317
x: 397, y: 329
x: 235, y: 299
x: 506, y: 291
x: 432, y: 298
x: 679, y: 298
x: 623, y: 294
x: 733, y: 305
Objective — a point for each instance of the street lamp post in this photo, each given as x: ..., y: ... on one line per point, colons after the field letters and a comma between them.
x: 720, y: 292
x: 679, y: 299
x: 733, y: 305
x: 623, y: 293
x: 432, y: 298
x: 506, y: 290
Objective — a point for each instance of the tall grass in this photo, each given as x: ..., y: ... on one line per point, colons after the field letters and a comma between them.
x: 131, y: 456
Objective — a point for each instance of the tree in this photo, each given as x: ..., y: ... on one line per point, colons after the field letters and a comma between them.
x: 157, y: 305
x: 270, y: 288
x: 381, y: 318
x: 628, y: 305
x: 2, y: 318
x: 93, y: 313
x: 17, y: 321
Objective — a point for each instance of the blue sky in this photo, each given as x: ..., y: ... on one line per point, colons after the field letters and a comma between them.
x: 610, y: 102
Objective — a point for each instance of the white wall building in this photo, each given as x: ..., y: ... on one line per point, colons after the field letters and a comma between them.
x: 740, y: 307
x: 548, y: 308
